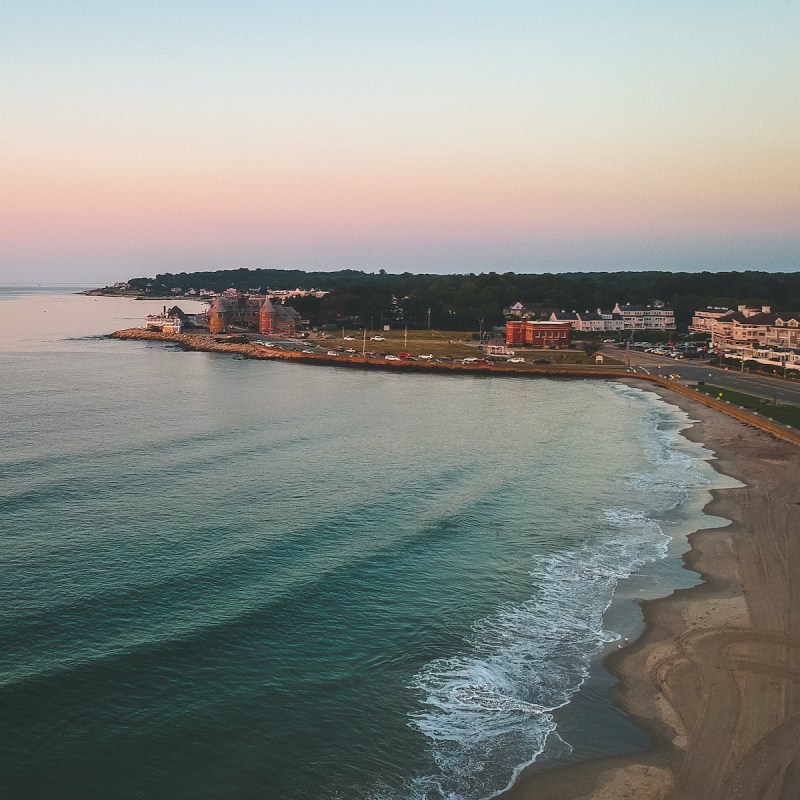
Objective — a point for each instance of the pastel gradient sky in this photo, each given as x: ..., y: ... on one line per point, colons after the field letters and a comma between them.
x: 143, y: 137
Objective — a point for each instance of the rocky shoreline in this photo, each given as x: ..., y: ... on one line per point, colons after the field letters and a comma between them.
x: 210, y: 344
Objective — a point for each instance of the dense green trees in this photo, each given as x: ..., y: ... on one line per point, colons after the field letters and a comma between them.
x: 461, y: 302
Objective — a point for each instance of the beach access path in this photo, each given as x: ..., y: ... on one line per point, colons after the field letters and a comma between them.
x: 715, y: 676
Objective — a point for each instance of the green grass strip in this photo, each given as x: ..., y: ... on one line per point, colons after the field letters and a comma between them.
x: 785, y: 414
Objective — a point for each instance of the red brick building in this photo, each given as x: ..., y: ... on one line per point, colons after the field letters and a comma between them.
x: 536, y: 333
x: 252, y: 312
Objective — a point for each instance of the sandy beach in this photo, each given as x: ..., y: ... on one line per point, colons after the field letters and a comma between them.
x: 715, y: 677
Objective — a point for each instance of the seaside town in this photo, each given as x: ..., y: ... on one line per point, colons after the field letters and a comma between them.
x: 759, y: 337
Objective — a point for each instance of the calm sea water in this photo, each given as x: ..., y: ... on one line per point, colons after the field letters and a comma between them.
x: 223, y: 578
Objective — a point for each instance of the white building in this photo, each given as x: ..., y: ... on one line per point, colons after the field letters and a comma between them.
x: 164, y: 322
x: 590, y: 321
x: 748, y: 328
x: 703, y: 319
x: 646, y: 318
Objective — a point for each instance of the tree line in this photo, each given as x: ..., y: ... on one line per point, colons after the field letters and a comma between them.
x: 470, y: 301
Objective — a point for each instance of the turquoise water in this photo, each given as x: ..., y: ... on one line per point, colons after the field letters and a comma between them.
x: 233, y: 579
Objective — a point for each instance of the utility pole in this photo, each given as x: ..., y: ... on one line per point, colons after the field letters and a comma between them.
x: 429, y: 319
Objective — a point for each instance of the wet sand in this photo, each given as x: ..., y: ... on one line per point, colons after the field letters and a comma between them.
x: 715, y: 676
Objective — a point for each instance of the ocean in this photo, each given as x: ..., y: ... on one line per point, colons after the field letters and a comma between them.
x: 223, y: 578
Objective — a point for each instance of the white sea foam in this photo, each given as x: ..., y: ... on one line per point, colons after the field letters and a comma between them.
x: 484, y: 707
x: 492, y: 705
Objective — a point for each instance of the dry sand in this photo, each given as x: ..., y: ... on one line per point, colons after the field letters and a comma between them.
x: 715, y: 677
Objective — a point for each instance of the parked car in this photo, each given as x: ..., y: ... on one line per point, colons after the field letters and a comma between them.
x: 349, y: 338
x: 377, y: 338
x: 392, y: 358
x: 332, y: 353
x: 516, y: 360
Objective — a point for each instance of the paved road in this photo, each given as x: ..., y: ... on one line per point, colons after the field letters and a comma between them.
x: 691, y: 371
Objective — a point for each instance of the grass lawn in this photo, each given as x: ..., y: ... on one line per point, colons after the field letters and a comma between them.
x: 456, y: 344
x: 785, y: 414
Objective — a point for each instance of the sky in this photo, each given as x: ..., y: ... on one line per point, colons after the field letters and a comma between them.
x: 145, y: 137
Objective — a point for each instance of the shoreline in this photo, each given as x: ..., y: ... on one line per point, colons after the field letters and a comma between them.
x: 714, y: 677
x: 207, y: 344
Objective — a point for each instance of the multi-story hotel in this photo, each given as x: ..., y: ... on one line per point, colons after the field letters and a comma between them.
x: 657, y: 317
x: 749, y: 328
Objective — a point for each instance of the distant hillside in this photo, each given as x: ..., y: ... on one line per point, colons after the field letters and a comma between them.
x: 466, y: 301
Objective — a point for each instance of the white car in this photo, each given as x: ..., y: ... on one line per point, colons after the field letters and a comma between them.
x: 426, y: 358
x: 267, y: 344
x: 377, y: 338
x: 349, y: 338
x: 392, y: 358
x: 309, y: 352
x: 516, y: 360
x: 332, y: 353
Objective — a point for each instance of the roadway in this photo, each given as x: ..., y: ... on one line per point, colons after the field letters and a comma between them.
x: 689, y: 371
x: 692, y: 371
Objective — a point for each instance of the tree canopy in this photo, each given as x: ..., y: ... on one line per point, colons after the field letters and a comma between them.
x: 467, y: 301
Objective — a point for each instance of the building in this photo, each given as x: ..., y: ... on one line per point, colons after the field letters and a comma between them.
x: 748, y: 328
x: 525, y: 310
x: 657, y: 317
x: 611, y: 322
x: 251, y: 312
x: 703, y: 319
x: 590, y: 321
x: 166, y: 321
x: 565, y: 316
x: 539, y: 334
x: 498, y: 350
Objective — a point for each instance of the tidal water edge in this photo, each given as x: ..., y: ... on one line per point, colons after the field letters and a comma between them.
x: 246, y: 579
